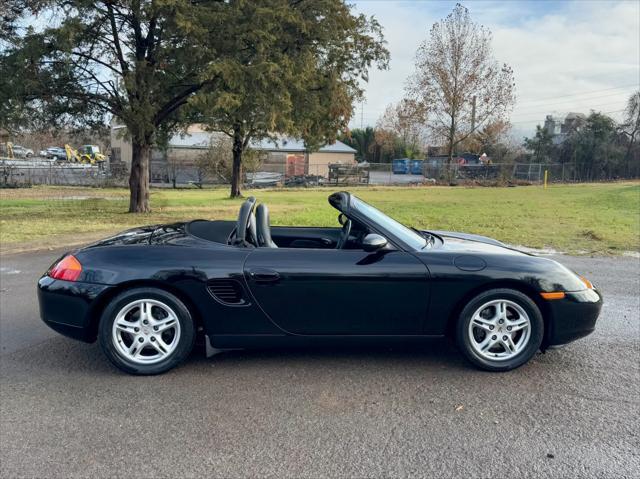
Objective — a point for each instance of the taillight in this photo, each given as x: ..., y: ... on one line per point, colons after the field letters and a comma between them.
x: 68, y: 269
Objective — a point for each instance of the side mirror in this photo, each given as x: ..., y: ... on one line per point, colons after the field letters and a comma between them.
x: 373, y: 242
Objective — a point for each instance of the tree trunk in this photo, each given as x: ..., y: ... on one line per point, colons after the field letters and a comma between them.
x: 449, y: 161
x: 236, y: 169
x: 452, y: 136
x: 627, y: 155
x: 139, y: 178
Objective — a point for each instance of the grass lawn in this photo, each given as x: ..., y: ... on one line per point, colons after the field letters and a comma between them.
x: 591, y: 218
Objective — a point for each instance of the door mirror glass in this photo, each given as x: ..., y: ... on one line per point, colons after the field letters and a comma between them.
x: 373, y: 242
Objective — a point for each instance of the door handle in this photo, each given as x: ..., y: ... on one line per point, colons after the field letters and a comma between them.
x: 264, y: 275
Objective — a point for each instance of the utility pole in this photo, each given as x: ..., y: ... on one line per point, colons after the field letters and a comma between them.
x: 362, y: 114
x: 473, y: 114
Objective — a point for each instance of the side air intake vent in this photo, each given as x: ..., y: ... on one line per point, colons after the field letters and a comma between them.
x: 227, y: 291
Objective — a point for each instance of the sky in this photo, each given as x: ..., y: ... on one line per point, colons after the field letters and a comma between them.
x: 571, y: 56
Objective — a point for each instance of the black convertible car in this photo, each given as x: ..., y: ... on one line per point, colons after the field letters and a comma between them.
x: 146, y: 293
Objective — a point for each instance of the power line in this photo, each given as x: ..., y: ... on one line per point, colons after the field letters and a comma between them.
x: 575, y: 100
x: 544, y: 111
x: 541, y: 120
x: 633, y: 85
x: 550, y: 110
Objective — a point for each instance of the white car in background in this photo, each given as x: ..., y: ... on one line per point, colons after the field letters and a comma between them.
x: 22, y: 152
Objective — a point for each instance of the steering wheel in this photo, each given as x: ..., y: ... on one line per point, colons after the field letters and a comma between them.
x: 246, y: 226
x: 346, y: 231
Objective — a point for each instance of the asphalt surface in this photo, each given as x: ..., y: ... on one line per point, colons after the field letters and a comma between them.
x: 572, y: 412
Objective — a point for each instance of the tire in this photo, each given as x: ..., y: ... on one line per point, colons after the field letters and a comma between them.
x: 160, y: 344
x: 500, y: 330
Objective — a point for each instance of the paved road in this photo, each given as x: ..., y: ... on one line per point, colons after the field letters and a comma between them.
x: 388, y: 178
x: 573, y: 412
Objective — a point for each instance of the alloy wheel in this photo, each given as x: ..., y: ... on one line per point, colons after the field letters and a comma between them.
x: 499, y: 330
x: 146, y: 331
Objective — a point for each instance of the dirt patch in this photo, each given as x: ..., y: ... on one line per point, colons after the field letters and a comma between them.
x: 590, y: 234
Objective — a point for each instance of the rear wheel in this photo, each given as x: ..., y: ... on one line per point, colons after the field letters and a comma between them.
x: 146, y: 331
x: 500, y: 329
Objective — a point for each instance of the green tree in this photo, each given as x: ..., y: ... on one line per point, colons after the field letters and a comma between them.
x: 139, y: 61
x: 599, y: 153
x: 541, y: 145
x: 286, y: 67
x: 363, y: 141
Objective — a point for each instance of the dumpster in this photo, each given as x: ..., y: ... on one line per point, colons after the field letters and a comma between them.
x: 400, y: 166
x: 416, y: 167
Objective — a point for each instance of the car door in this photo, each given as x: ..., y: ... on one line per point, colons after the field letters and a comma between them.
x: 339, y: 292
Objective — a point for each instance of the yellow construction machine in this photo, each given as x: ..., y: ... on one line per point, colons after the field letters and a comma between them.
x: 85, y: 154
x: 9, y: 150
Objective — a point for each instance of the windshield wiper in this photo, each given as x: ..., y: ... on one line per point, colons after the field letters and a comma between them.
x: 421, y: 233
x: 427, y: 236
x: 424, y: 234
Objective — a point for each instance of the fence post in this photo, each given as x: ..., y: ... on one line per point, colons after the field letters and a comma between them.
x: 546, y: 174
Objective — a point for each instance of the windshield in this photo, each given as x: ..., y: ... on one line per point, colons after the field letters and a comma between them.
x: 407, y: 235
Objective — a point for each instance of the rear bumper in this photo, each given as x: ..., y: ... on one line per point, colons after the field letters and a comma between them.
x: 573, y: 317
x: 70, y: 307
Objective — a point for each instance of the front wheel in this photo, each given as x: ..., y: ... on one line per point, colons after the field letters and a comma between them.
x: 146, y: 331
x: 500, y: 329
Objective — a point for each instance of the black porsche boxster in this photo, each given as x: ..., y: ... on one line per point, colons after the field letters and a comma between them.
x: 146, y: 293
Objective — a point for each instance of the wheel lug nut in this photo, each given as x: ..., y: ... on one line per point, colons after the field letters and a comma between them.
x: 504, y: 338
x: 508, y: 328
x: 155, y: 328
x: 140, y: 340
x: 136, y: 329
x: 501, y: 321
x: 491, y: 327
x: 145, y: 322
x: 494, y: 337
x: 152, y: 339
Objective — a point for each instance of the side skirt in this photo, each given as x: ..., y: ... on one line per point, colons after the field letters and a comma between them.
x: 220, y: 343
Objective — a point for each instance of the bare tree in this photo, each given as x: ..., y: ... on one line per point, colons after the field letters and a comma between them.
x: 216, y: 163
x: 485, y: 139
x: 402, y: 125
x: 631, y: 125
x: 458, y: 82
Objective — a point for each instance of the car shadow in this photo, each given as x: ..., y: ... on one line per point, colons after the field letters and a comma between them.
x: 65, y: 355
x: 433, y: 352
x: 60, y: 355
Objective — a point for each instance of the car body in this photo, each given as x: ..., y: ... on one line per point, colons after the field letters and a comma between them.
x: 22, y: 152
x: 246, y: 284
x: 57, y: 153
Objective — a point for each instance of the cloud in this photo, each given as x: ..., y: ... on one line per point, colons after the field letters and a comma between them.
x: 573, y: 56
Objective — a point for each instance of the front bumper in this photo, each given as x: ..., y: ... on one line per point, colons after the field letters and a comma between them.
x: 573, y: 317
x: 70, y: 308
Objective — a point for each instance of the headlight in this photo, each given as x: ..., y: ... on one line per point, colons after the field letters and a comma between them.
x: 586, y: 282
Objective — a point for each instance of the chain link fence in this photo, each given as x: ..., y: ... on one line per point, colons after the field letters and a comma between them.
x: 16, y: 173
x: 20, y: 173
x: 424, y: 173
